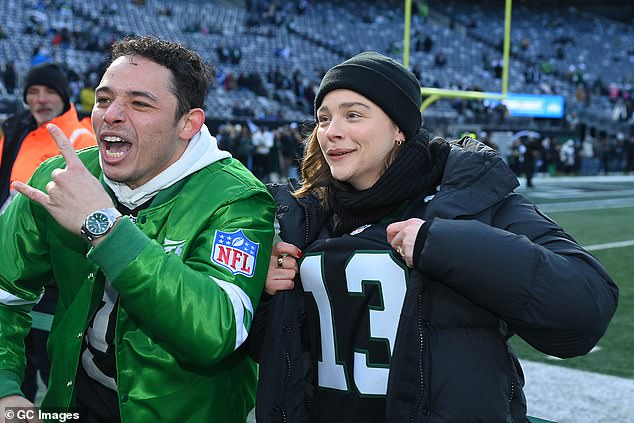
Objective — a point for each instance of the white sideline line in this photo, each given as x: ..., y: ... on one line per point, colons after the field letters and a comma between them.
x: 576, y: 396
x: 593, y: 350
x: 610, y: 245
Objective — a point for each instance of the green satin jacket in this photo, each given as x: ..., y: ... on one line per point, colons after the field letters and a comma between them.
x: 189, y: 274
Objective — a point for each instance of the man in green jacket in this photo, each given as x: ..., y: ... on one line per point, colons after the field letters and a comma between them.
x: 159, y: 243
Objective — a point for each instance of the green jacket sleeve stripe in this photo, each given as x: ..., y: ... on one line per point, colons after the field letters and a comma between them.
x: 242, y: 309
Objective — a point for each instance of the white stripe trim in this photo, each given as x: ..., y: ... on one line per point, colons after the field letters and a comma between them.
x: 610, y: 245
x: 91, y: 369
x: 240, y: 300
x: 12, y: 300
x: 77, y: 133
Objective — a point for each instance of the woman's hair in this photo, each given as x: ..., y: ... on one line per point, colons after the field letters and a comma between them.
x: 315, y: 172
x: 316, y: 175
x: 192, y: 77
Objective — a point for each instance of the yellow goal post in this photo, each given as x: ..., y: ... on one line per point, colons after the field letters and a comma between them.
x: 433, y: 94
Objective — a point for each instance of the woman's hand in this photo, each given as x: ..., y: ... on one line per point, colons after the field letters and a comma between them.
x: 402, y: 237
x: 282, y: 268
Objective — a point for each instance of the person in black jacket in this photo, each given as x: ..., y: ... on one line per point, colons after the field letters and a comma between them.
x: 405, y: 266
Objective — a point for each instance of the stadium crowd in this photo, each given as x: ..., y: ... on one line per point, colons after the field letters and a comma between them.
x: 270, y: 56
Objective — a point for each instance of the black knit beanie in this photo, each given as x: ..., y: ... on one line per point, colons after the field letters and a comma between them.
x: 382, y: 80
x: 52, y: 76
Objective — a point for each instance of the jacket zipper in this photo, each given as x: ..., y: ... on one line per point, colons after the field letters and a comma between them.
x: 307, y: 404
x: 307, y: 233
x: 511, y: 372
x: 304, y: 205
x: 287, y: 329
x: 421, y: 349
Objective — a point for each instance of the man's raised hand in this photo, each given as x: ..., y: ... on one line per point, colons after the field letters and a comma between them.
x: 73, y: 192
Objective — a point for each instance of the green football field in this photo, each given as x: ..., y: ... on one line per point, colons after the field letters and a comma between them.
x: 590, y: 212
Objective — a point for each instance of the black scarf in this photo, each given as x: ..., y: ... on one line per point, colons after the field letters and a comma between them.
x: 416, y: 172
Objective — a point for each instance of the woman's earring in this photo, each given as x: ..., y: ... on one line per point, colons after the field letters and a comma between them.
x: 399, y: 142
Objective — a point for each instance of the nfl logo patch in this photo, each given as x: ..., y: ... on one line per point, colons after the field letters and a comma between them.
x: 235, y: 251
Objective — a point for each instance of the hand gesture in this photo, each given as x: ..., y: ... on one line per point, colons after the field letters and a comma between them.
x: 282, y: 268
x: 73, y: 193
x: 402, y: 237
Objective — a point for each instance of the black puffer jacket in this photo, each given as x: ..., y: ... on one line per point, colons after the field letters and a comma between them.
x: 492, y: 265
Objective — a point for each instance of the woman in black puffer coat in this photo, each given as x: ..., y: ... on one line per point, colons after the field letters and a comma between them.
x: 404, y: 268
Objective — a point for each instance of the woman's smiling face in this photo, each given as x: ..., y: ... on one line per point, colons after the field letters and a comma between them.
x: 355, y: 136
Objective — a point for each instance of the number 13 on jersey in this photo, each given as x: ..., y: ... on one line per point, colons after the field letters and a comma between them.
x: 379, y: 268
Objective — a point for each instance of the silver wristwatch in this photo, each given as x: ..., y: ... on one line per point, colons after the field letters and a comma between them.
x: 99, y: 223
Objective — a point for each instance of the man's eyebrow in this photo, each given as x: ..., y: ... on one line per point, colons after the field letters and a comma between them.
x: 103, y: 90
x: 143, y: 94
x: 130, y: 93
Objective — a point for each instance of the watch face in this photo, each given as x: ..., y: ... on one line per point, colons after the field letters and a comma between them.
x: 98, y: 223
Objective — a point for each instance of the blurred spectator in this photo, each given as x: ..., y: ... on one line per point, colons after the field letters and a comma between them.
x: 619, y: 110
x: 604, y: 153
x: 567, y: 157
x: 531, y: 74
x: 9, y: 77
x: 620, y: 153
x: 422, y: 8
x: 497, y: 69
x: 262, y: 144
x: 286, y: 141
x: 550, y: 156
x: 242, y: 110
x: 227, y: 137
x: 40, y: 55
x: 298, y: 136
x: 164, y: 11
x: 572, y: 119
x: 613, y: 91
x: 274, y: 156
x: 529, y: 153
x: 546, y: 67
x: 588, y: 160
x: 244, y: 148
x: 223, y: 53
x: 440, y: 59
x: 629, y: 154
x: 500, y: 113
x: 87, y: 98
x: 229, y: 83
x: 235, y: 55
